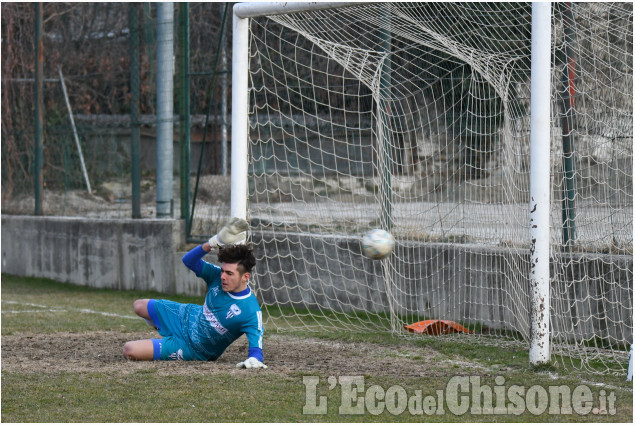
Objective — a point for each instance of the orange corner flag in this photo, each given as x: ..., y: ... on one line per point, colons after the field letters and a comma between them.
x: 436, y: 327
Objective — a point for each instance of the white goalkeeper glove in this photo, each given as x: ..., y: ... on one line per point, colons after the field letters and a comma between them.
x: 252, y: 363
x: 234, y: 232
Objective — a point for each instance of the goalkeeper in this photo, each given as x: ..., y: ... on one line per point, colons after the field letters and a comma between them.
x: 195, y: 332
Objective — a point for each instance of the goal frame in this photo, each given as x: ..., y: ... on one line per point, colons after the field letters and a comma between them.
x: 540, y: 131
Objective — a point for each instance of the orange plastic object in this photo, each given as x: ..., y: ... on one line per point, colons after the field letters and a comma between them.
x: 436, y: 327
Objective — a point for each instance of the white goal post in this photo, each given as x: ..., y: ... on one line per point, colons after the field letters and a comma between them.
x: 494, y: 142
x: 540, y: 136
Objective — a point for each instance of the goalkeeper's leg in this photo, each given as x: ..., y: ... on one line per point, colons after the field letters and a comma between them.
x: 143, y: 308
x: 142, y: 349
x: 139, y: 350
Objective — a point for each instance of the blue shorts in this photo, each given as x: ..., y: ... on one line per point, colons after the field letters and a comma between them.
x: 168, y: 316
x: 172, y: 348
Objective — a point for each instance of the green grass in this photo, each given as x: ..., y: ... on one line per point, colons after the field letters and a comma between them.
x: 72, y: 299
x: 158, y: 393
x: 145, y: 397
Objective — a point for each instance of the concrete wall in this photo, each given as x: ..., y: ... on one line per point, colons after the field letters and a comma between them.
x: 458, y: 282
x: 592, y: 294
x: 116, y: 254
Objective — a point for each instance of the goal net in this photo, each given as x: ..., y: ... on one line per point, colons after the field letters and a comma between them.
x: 414, y: 118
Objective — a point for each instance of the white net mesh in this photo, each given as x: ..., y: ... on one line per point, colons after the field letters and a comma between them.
x: 415, y: 118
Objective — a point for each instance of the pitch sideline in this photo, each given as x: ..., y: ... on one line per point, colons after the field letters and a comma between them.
x: 54, y: 309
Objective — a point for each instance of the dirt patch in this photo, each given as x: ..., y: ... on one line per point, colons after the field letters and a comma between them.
x: 100, y: 352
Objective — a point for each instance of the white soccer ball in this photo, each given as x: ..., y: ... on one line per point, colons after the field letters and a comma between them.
x: 377, y: 244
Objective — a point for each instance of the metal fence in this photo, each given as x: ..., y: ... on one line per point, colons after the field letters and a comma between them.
x: 79, y: 108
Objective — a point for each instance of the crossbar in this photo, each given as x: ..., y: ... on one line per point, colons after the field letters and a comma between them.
x: 256, y: 9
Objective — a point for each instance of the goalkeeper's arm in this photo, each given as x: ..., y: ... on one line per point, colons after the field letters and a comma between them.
x: 194, y: 258
x: 254, y: 332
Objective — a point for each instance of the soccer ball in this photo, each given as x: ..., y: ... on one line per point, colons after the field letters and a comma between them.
x: 377, y: 244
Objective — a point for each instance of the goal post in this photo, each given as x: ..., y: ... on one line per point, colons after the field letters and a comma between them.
x: 445, y: 123
x: 240, y: 116
x: 540, y: 139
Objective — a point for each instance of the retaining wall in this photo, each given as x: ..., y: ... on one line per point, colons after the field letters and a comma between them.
x: 457, y: 282
x: 117, y: 254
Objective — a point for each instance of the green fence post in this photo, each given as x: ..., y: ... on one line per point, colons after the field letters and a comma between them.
x: 184, y: 106
x: 135, y: 149
x: 39, y: 109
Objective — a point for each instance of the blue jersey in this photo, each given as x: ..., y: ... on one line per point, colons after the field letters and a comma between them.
x: 224, y: 316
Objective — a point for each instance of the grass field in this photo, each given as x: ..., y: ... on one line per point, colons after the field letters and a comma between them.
x: 62, y: 362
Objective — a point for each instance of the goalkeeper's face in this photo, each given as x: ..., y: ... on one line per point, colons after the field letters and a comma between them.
x: 232, y: 278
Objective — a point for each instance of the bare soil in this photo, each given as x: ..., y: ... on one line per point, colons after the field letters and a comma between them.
x: 100, y: 352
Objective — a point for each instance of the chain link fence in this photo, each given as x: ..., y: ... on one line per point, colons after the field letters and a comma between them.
x: 87, y: 122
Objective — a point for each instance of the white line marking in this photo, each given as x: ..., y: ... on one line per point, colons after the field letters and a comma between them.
x: 105, y: 313
x: 596, y: 384
x: 50, y: 308
x: 31, y: 311
x: 29, y: 304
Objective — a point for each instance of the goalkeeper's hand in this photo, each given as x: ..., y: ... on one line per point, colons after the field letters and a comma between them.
x: 252, y: 363
x: 234, y: 232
